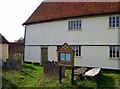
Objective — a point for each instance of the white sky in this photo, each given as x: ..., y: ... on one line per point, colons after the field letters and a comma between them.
x: 12, y: 14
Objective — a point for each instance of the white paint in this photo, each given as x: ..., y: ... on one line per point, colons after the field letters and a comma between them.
x: 95, y: 30
x: 52, y: 54
x: 96, y: 56
x: 33, y: 54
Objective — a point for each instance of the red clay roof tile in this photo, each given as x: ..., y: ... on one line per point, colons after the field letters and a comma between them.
x: 59, y: 10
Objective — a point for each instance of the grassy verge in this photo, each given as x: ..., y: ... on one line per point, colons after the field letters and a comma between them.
x: 32, y: 76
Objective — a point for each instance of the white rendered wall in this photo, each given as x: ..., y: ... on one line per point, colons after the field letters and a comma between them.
x: 52, y: 54
x: 33, y: 54
x: 94, y: 30
x: 119, y: 41
x: 96, y: 56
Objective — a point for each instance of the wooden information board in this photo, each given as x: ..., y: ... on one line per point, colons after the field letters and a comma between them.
x: 65, y: 55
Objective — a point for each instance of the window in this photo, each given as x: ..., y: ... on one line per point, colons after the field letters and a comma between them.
x: 74, y: 25
x: 114, y: 21
x: 65, y: 57
x: 114, y: 52
x: 77, y: 50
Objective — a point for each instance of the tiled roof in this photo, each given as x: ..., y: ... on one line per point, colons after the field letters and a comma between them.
x: 3, y: 40
x: 59, y: 10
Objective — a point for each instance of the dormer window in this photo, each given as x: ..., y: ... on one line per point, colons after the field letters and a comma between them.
x: 74, y: 25
x: 113, y: 22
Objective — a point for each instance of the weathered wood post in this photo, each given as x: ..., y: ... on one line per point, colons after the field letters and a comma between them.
x: 60, y: 74
x: 72, y: 76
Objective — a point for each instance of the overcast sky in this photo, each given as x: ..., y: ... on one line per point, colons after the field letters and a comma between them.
x: 12, y: 14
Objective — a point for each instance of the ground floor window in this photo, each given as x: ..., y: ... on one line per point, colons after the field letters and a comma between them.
x: 114, y: 52
x: 77, y: 50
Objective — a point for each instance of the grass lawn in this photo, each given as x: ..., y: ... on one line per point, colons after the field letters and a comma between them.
x: 31, y: 75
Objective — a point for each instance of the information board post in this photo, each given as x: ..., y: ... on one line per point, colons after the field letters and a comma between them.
x: 60, y: 74
x: 72, y: 76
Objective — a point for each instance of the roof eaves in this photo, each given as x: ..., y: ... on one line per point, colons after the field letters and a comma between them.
x: 29, y: 23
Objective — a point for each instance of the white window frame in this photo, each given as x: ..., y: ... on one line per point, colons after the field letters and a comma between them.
x: 114, y: 21
x: 74, y: 25
x: 114, y: 52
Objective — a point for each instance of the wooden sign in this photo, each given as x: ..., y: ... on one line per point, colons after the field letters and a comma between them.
x: 65, y: 56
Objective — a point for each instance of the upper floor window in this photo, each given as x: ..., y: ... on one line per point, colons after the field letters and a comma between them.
x: 114, y: 52
x: 74, y: 25
x: 113, y: 21
x: 77, y: 50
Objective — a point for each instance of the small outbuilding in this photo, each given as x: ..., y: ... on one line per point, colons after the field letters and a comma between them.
x: 4, y: 44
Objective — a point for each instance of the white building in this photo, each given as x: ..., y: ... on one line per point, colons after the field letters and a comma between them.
x: 91, y: 28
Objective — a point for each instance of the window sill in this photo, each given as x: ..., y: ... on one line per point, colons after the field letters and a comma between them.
x: 113, y: 28
x: 76, y: 30
x: 114, y: 58
x: 78, y: 56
